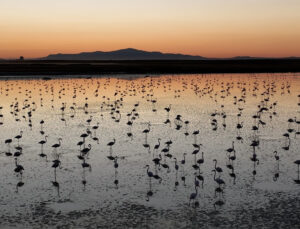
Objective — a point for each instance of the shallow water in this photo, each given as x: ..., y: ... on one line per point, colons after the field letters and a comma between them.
x: 263, y: 193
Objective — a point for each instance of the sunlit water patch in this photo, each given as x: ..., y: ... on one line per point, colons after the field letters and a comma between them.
x: 238, y: 120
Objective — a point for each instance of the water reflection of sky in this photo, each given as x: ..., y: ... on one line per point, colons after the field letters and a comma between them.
x: 194, y: 97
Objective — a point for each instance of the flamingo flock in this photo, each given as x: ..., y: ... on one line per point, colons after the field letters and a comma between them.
x: 150, y: 114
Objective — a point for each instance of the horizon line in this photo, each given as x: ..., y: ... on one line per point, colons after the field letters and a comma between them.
x: 166, y: 53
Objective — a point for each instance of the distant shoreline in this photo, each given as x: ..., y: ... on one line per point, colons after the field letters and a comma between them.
x: 42, y: 68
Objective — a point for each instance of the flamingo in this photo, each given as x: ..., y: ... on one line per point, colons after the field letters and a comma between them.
x: 57, y: 145
x: 193, y: 195
x: 218, y: 180
x: 19, y: 168
x: 218, y: 169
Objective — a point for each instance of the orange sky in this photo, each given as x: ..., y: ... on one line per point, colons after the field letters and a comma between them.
x: 214, y: 28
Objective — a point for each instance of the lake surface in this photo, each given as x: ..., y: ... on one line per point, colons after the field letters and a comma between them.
x: 89, y: 189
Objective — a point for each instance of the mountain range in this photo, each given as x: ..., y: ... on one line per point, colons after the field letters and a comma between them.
x: 135, y: 54
x: 122, y: 54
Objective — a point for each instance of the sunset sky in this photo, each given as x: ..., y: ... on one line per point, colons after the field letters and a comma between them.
x: 210, y: 28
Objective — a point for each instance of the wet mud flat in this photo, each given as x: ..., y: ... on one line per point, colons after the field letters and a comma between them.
x: 279, y: 212
x: 60, y: 67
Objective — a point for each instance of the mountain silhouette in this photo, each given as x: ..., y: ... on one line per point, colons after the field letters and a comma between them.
x: 122, y: 54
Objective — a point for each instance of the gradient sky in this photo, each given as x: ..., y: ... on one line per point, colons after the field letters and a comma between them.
x: 211, y: 28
